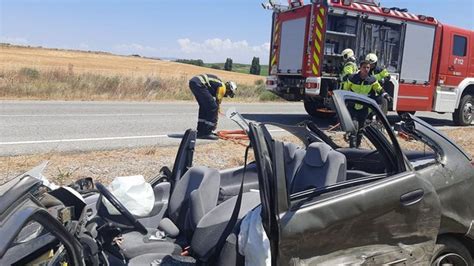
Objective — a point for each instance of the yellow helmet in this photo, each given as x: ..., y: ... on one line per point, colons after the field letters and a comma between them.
x: 347, y: 53
x: 372, y: 58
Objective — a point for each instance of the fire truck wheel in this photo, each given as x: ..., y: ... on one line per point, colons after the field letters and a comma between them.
x: 317, y: 109
x: 464, y: 115
x: 384, y: 106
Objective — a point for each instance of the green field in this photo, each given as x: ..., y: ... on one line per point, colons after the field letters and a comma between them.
x: 240, y: 68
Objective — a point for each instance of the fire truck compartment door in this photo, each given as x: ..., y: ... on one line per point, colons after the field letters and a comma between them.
x: 292, y: 46
x: 417, y: 53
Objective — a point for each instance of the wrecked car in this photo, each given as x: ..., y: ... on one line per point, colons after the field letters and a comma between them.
x: 404, y: 196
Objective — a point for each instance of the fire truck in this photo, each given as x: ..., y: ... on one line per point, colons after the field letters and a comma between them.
x: 431, y: 64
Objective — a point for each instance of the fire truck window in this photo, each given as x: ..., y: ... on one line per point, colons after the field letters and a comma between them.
x: 341, y: 34
x: 382, y: 39
x: 459, y: 45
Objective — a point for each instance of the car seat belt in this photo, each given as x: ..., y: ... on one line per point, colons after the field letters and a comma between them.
x: 213, y: 254
x: 279, y: 166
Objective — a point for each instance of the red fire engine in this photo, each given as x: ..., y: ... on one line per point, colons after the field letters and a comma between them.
x: 431, y: 64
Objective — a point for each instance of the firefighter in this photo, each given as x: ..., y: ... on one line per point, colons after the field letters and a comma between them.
x: 382, y: 76
x: 364, y: 84
x: 209, y: 90
x: 380, y: 73
x: 349, y: 66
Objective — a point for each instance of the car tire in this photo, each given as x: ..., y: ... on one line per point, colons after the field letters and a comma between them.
x: 312, y: 106
x: 464, y: 114
x: 449, y: 251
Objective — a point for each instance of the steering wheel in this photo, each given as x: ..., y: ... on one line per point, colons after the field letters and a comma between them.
x: 138, y: 226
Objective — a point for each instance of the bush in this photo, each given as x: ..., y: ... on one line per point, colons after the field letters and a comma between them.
x: 255, y: 67
x: 30, y: 73
x: 228, y: 64
x: 268, y: 96
x: 197, y: 62
x: 152, y: 84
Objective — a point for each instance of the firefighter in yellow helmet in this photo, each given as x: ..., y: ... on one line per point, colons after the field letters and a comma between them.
x: 349, y: 66
x: 364, y: 84
x: 380, y: 73
x: 383, y: 77
x: 209, y: 90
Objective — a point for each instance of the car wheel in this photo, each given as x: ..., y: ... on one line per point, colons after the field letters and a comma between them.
x: 464, y: 115
x: 450, y: 251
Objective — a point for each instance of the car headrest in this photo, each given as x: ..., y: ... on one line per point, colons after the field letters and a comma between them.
x: 317, y: 154
x: 290, y: 151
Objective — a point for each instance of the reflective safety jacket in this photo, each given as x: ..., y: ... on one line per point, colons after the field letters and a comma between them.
x: 363, y: 86
x: 379, y: 73
x: 215, y: 85
x: 348, y: 69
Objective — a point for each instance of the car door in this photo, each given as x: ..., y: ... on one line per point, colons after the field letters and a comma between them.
x: 260, y: 143
x: 393, y: 219
x: 455, y: 59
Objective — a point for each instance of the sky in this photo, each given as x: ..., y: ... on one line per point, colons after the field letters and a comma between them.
x: 210, y: 30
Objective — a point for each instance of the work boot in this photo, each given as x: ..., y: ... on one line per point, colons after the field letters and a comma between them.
x: 352, y: 140
x: 208, y: 136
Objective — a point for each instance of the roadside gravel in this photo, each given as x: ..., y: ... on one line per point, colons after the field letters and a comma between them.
x: 103, y: 166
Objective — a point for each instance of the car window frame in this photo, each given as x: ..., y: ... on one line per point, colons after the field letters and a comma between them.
x: 340, y: 97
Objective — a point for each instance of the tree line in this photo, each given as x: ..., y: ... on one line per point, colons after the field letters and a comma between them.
x: 255, y: 67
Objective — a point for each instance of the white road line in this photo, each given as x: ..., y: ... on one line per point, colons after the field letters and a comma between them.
x: 119, y: 114
x: 95, y: 139
x: 79, y: 140
x: 94, y: 115
x: 132, y: 137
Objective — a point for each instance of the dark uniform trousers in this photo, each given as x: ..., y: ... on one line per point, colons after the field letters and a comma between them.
x: 208, y: 109
x: 359, y: 116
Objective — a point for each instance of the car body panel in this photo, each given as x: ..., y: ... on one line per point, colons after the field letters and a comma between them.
x: 453, y: 179
x: 359, y: 222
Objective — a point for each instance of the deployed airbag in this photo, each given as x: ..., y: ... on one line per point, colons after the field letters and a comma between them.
x: 134, y: 193
x: 253, y: 241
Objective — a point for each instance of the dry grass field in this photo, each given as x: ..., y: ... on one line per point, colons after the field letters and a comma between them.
x: 52, y: 74
x: 17, y: 57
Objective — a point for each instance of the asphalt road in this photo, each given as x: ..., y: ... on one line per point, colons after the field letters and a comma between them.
x: 28, y: 127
